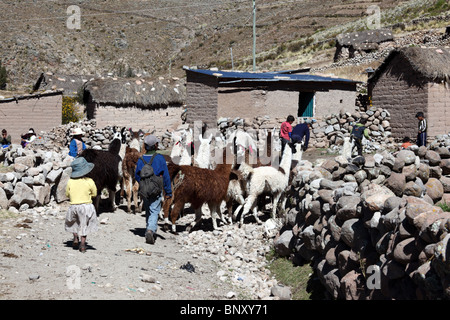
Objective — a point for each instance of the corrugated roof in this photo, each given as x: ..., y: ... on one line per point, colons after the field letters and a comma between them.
x: 229, y: 76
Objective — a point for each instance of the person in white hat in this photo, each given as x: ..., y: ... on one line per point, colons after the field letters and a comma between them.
x: 153, y: 205
x: 76, y: 145
x: 81, y: 217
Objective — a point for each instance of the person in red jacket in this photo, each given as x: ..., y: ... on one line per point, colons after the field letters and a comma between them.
x: 286, y: 132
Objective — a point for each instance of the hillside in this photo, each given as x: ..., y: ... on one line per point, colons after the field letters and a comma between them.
x: 153, y: 38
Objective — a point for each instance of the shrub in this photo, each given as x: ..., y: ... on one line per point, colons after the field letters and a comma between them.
x: 70, y: 110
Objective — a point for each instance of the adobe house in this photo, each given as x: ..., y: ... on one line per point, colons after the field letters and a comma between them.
x: 211, y: 95
x: 150, y: 105
x: 410, y: 80
x: 41, y: 111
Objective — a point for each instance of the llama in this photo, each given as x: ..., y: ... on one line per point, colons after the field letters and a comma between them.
x: 347, y: 148
x: 129, y: 183
x: 181, y: 142
x: 105, y: 172
x: 268, y: 179
x: 199, y: 186
x: 203, y: 155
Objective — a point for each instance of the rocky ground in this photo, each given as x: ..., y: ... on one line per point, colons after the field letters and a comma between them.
x: 38, y: 262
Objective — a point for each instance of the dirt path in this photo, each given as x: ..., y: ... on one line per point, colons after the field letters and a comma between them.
x: 38, y: 262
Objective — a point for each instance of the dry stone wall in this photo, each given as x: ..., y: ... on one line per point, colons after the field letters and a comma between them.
x: 372, y: 228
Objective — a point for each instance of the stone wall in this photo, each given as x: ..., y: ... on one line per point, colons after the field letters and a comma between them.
x: 372, y: 228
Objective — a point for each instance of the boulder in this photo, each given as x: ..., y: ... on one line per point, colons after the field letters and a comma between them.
x: 396, y: 182
x: 434, y: 189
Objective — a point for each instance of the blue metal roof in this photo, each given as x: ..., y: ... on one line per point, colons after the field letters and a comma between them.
x: 230, y: 76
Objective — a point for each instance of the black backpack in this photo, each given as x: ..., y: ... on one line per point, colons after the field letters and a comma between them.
x: 358, y: 132
x: 150, y: 185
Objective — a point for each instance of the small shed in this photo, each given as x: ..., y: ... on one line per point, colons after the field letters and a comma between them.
x: 414, y: 79
x: 40, y: 111
x: 211, y: 94
x: 136, y: 103
x: 348, y: 44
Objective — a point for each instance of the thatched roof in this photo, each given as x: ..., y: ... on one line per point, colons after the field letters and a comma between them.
x: 367, y: 36
x: 70, y: 84
x: 432, y: 63
x: 139, y: 92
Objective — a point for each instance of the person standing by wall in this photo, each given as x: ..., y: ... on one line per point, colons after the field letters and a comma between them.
x: 286, y: 132
x: 422, y: 130
x: 6, y: 139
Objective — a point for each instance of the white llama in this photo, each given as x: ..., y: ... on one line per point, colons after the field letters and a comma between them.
x: 268, y: 179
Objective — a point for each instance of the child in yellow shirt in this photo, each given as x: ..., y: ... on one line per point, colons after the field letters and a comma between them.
x: 81, y: 217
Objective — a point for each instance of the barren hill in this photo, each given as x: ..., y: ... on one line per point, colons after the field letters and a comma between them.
x: 125, y: 37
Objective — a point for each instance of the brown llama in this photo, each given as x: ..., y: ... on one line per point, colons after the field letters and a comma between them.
x: 198, y: 186
x: 130, y: 185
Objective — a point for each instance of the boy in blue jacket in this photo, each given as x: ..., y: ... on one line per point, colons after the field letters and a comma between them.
x: 153, y: 205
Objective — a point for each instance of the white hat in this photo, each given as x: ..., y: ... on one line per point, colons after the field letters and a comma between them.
x: 76, y: 132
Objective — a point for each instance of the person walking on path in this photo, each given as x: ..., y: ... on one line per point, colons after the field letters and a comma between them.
x: 81, y: 217
x: 422, y: 130
x: 153, y: 205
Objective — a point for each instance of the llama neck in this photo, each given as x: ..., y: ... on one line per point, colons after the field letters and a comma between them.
x: 286, y: 160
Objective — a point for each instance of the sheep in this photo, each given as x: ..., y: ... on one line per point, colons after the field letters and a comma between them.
x: 268, y: 179
x: 199, y: 186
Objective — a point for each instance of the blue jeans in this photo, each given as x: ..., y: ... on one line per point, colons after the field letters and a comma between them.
x: 422, y: 139
x: 152, y: 209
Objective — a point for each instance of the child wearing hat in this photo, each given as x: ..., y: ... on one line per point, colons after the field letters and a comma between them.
x: 76, y: 144
x: 81, y: 217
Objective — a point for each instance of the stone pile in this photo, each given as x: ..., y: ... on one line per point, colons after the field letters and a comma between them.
x: 240, y: 254
x: 58, y: 139
x: 372, y: 227
x: 33, y: 178
x: 328, y: 132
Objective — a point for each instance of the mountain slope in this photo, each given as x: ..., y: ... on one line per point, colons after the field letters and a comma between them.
x: 154, y: 38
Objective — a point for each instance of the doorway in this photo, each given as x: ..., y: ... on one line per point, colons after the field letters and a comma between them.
x: 306, y: 104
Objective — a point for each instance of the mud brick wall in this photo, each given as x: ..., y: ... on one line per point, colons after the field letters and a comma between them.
x: 236, y: 102
x: 403, y: 93
x: 160, y: 120
x: 202, y: 99
x: 333, y: 102
x: 40, y: 113
x: 439, y: 109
